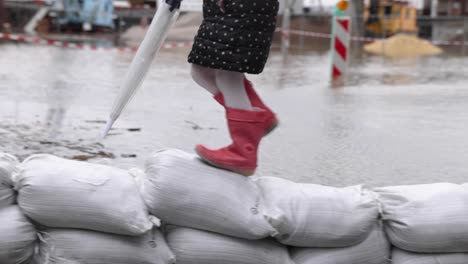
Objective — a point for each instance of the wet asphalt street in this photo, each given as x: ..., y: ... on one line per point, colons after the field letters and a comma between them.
x: 396, y: 121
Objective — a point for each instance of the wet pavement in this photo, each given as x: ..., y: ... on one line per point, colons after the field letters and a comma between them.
x: 397, y: 122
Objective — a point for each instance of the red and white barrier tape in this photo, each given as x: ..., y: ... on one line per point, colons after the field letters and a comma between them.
x: 366, y: 39
x: 41, y: 41
x: 449, y: 43
x: 36, y: 40
x: 310, y: 34
x: 140, y: 7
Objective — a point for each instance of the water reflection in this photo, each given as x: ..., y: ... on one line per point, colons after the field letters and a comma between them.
x: 56, y: 94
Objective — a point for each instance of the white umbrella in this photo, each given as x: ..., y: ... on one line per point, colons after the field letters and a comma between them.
x: 163, y: 19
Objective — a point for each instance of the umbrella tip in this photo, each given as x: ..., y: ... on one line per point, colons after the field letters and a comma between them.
x: 107, y: 128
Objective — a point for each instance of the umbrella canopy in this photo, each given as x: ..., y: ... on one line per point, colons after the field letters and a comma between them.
x: 164, y: 18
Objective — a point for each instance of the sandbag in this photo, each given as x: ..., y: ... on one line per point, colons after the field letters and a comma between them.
x: 310, y: 215
x: 8, y: 166
x: 375, y: 249
x: 430, y: 218
x: 192, y: 246
x: 181, y: 190
x: 403, y: 257
x: 17, y: 236
x: 68, y: 246
x: 62, y: 193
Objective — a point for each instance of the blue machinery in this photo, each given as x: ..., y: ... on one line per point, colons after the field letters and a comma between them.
x: 93, y: 12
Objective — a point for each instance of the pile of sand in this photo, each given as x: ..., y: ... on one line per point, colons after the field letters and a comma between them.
x: 402, y: 45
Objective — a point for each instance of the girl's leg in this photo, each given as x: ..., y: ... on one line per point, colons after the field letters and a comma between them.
x: 231, y: 85
x: 205, y: 77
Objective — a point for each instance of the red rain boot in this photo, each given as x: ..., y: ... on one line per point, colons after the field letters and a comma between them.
x: 246, y: 129
x: 271, y: 121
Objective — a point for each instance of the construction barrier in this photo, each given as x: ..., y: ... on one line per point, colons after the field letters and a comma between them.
x: 62, y: 44
x: 214, y: 216
x: 368, y: 39
x: 341, y: 39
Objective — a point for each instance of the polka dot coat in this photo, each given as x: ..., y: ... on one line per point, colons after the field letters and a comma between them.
x: 237, y: 39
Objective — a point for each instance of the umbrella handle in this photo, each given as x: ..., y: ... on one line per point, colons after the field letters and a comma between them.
x: 175, y: 4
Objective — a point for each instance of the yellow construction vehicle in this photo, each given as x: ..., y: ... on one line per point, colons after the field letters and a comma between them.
x: 388, y: 17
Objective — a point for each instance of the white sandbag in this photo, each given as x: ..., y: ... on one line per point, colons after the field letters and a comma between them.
x: 192, y: 246
x: 429, y: 218
x: 8, y: 166
x: 67, y: 246
x: 375, y: 249
x: 62, y: 193
x: 404, y: 257
x: 310, y: 215
x: 181, y: 190
x: 17, y: 236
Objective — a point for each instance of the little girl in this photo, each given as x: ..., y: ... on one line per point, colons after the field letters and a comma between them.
x: 235, y: 38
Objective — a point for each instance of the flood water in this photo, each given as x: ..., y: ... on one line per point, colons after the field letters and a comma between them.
x: 396, y: 121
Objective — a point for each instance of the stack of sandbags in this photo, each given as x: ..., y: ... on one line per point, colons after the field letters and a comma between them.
x: 183, y: 191
x: 310, y: 215
x: 17, y: 234
x: 328, y: 225
x: 375, y: 249
x: 404, y: 257
x: 8, y: 167
x: 192, y: 246
x: 88, y: 213
x: 62, y: 193
x: 219, y: 215
x: 84, y: 246
x: 430, y: 219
